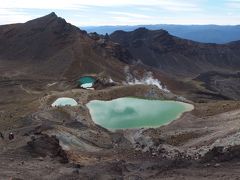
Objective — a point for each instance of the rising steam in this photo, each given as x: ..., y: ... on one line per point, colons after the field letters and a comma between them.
x: 147, y: 79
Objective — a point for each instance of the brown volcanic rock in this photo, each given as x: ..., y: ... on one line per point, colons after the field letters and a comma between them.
x: 35, y: 39
x: 51, y: 47
x: 178, y: 56
x: 46, y: 146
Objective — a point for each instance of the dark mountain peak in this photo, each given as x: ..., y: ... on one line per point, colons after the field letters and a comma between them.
x: 49, y: 17
x: 145, y: 33
x: 118, y: 32
x: 37, y: 38
x: 142, y: 34
x: 145, y: 30
x: 159, y: 49
x: 141, y: 29
x: 51, y: 23
x: 52, y: 14
x: 50, y: 46
x: 156, y: 34
x: 163, y: 32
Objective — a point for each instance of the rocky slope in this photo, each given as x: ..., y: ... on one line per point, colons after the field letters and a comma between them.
x: 51, y: 47
x: 40, y: 59
x: 177, y: 56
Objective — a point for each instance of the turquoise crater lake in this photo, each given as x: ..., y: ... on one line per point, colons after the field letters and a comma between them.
x: 86, y: 81
x: 127, y: 113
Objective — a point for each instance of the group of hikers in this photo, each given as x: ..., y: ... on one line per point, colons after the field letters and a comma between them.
x: 10, y: 136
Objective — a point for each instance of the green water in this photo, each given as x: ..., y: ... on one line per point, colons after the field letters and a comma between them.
x: 86, y: 81
x: 64, y: 101
x: 124, y: 113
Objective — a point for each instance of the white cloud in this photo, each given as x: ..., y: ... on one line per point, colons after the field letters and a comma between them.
x: 121, y: 12
x: 234, y: 4
x: 76, y: 4
x: 129, y: 15
x: 43, y: 4
x: 13, y: 16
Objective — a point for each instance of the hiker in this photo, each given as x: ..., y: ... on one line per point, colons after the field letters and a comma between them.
x: 1, y: 135
x: 11, y: 136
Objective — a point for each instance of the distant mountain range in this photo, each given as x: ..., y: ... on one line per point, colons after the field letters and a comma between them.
x: 201, y: 33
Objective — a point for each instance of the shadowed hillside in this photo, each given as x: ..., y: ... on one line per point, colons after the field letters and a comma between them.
x: 49, y: 46
x: 185, y: 60
x: 177, y: 56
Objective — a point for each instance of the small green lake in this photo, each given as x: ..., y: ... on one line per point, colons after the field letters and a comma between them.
x: 64, y: 101
x: 126, y: 113
x: 86, y: 81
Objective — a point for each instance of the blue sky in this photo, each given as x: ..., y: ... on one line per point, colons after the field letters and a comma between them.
x: 124, y: 12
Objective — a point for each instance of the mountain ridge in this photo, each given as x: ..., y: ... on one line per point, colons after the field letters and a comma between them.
x: 159, y: 49
x: 51, y: 47
x: 219, y: 34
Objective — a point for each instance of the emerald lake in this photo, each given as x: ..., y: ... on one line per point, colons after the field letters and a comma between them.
x: 86, y: 81
x: 127, y: 113
x: 64, y: 101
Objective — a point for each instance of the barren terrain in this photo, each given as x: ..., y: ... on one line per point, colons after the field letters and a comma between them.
x: 64, y: 143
